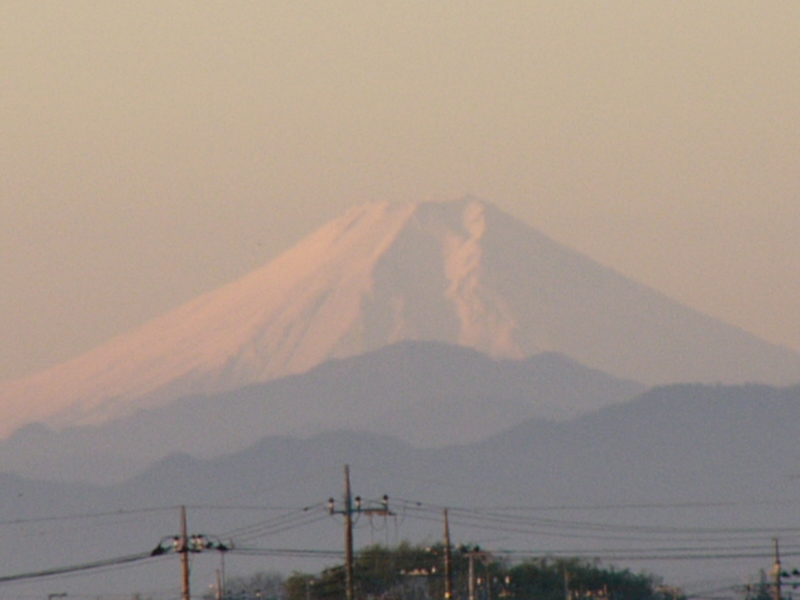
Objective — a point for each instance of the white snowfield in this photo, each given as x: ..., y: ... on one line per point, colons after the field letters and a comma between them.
x: 460, y: 272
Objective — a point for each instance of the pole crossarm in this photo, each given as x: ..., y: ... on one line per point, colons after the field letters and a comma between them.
x: 357, y: 507
x: 194, y: 543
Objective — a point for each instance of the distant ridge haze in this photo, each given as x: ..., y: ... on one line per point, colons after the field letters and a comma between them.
x: 426, y: 394
x: 459, y: 272
x: 694, y: 470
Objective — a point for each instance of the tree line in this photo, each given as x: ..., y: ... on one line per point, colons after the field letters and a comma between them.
x: 415, y: 572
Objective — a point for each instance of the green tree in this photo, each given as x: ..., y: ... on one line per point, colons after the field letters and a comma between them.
x: 409, y: 572
x: 259, y: 586
x: 575, y: 579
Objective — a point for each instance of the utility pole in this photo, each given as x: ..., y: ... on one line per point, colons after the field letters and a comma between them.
x: 221, y: 571
x: 471, y: 552
x: 471, y: 576
x: 448, y: 573
x: 488, y: 581
x: 348, y: 512
x: 777, y: 567
x: 183, y: 548
x: 183, y: 544
x: 348, y: 536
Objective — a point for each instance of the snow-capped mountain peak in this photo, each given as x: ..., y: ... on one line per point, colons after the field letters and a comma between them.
x: 459, y: 272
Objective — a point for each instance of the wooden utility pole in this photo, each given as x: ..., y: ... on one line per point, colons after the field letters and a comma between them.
x: 472, y: 552
x: 348, y: 537
x: 183, y: 548
x: 348, y: 511
x: 471, y: 574
x: 182, y: 544
x: 777, y: 590
x: 448, y: 573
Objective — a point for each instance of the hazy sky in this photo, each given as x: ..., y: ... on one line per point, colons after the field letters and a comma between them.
x: 150, y: 151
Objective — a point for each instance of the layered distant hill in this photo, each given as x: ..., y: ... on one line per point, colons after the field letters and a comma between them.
x: 692, y: 482
x: 459, y: 272
x: 423, y: 393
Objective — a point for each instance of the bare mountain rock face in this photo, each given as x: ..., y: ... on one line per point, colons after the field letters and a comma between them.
x: 459, y: 272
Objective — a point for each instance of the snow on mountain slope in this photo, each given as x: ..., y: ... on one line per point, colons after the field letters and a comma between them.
x: 459, y: 272
x: 283, y: 318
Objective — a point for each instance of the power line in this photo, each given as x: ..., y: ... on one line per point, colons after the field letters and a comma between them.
x: 288, y: 552
x: 665, y: 543
x: 84, y: 516
x: 77, y: 568
x: 274, y: 526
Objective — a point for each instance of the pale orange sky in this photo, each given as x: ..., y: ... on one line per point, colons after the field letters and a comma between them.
x: 150, y: 151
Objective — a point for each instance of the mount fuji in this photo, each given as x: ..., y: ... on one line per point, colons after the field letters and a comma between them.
x: 459, y: 272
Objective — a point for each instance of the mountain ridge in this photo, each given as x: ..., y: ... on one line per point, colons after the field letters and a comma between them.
x: 424, y: 393
x: 460, y: 272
